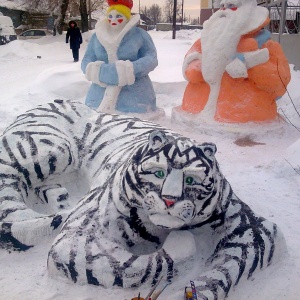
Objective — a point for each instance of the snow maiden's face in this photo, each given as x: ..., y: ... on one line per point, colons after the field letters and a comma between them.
x: 116, y: 20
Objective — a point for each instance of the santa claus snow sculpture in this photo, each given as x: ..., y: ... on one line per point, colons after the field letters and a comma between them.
x: 118, y: 59
x: 235, y: 72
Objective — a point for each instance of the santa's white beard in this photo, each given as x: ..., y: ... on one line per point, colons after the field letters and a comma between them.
x: 219, y: 40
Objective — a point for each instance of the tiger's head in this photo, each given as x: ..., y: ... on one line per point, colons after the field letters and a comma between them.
x: 175, y: 180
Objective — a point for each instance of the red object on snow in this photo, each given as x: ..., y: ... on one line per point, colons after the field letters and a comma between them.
x: 128, y: 3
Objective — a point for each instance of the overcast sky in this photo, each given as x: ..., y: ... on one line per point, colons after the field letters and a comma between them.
x: 191, y: 7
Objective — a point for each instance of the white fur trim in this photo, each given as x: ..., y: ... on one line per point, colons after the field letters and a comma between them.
x: 130, y: 72
x: 188, y: 59
x: 121, y: 70
x: 125, y: 72
x: 237, y: 69
x: 257, y: 57
x: 92, y: 72
x: 109, y: 42
x: 110, y: 99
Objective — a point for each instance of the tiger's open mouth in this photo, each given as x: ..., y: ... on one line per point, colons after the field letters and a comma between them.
x: 168, y: 213
x: 169, y: 202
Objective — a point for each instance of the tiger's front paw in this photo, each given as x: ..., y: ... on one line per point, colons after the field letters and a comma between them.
x: 187, y: 249
x: 8, y: 241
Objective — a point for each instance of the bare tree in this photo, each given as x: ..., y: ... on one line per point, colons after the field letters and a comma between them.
x: 64, y: 8
x: 86, y: 7
x: 55, y: 7
x: 194, y: 21
x: 155, y: 13
x: 168, y: 10
x: 84, y: 15
x: 97, y: 5
x: 50, y: 6
x: 92, y: 5
x: 144, y: 11
x: 73, y: 9
x: 61, y: 19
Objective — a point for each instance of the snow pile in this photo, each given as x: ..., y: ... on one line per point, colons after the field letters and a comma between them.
x: 60, y: 81
x: 293, y: 158
x: 15, y: 4
x: 20, y: 49
x: 6, y: 26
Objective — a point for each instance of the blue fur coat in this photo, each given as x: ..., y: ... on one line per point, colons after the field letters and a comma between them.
x: 133, y: 44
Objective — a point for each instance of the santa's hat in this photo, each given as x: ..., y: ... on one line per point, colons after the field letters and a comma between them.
x: 122, y: 6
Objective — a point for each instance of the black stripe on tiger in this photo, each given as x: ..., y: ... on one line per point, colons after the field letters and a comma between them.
x: 21, y: 150
x: 8, y: 241
x: 137, y: 226
x: 18, y: 123
x: 90, y: 278
x: 15, y: 163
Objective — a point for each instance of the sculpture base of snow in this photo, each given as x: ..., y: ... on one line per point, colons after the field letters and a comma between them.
x: 156, y: 203
x: 151, y: 116
x: 211, y: 127
x: 63, y: 82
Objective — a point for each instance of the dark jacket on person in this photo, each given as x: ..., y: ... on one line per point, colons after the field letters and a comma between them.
x: 74, y: 35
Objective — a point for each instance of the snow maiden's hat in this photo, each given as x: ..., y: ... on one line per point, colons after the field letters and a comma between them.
x: 122, y: 6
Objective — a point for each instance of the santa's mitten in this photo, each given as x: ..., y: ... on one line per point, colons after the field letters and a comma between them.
x: 92, y: 72
x: 194, y: 59
x: 120, y: 73
x: 237, y: 69
x: 255, y: 58
x: 125, y: 72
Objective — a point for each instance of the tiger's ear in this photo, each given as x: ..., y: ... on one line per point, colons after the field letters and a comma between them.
x: 208, y: 149
x: 157, y: 139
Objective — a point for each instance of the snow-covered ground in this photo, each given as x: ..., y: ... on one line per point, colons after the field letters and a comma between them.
x: 262, y: 167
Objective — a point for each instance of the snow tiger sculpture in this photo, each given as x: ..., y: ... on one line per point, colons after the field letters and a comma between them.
x: 157, y: 203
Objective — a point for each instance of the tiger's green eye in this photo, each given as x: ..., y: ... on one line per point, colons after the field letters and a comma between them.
x: 189, y: 180
x: 160, y: 174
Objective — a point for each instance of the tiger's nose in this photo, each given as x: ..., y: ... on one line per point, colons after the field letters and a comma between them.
x: 169, y: 202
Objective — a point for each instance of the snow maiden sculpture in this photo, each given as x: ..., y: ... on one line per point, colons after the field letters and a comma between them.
x: 235, y: 72
x: 118, y: 60
x: 151, y: 191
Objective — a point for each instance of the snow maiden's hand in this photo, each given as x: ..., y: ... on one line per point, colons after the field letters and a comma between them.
x: 120, y: 73
x: 125, y: 72
x: 92, y: 72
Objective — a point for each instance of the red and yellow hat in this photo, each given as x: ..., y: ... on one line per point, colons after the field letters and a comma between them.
x: 122, y: 6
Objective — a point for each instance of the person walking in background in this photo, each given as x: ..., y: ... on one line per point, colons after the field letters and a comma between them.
x: 75, y: 37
